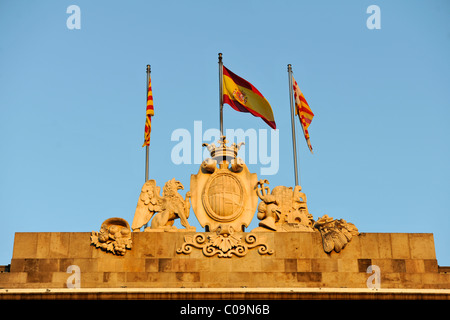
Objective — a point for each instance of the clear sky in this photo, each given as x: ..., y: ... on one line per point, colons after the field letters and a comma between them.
x: 72, y: 106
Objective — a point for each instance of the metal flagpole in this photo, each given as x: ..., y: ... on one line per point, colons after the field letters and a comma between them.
x: 147, y: 147
x: 294, y: 143
x: 221, y: 93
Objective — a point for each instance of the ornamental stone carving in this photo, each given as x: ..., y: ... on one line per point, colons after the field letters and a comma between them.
x: 224, y: 196
x: 114, y: 236
x: 164, y: 210
x: 283, y: 209
x: 224, y: 243
x: 336, y: 234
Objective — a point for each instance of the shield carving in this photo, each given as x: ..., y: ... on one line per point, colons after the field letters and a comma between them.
x: 224, y: 196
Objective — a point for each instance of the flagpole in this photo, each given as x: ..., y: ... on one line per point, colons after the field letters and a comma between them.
x: 147, y: 147
x: 294, y: 143
x: 221, y: 93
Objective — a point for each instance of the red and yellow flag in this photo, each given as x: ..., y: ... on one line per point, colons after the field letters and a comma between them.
x: 149, y: 113
x: 242, y: 96
x: 303, y: 111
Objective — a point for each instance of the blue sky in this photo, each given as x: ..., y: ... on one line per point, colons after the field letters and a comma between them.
x: 72, y: 106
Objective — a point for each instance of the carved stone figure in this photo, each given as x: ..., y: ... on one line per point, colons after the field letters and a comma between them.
x: 335, y: 233
x: 283, y: 209
x: 165, y: 209
x: 269, y: 210
x: 114, y: 236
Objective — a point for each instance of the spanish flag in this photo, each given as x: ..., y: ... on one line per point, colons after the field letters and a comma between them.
x: 242, y: 96
x: 303, y: 111
x: 149, y: 113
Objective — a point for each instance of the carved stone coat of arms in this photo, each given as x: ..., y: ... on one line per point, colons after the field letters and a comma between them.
x: 222, y: 192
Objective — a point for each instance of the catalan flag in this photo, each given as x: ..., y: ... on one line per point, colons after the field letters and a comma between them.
x: 149, y: 113
x: 303, y: 111
x: 242, y: 96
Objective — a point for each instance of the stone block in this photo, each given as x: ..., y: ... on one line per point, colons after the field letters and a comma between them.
x: 151, y: 265
x: 48, y: 265
x: 294, y: 245
x: 290, y: 265
x: 270, y: 264
x: 53, y: 245
x: 35, y: 265
x: 385, y: 265
x: 422, y: 246
x: 161, y: 277
x: 39, y: 277
x: 79, y: 245
x: 204, y: 264
x: 284, y: 279
x: 85, y: 264
x: 433, y: 278
x: 111, y: 264
x: 133, y: 265
x: 165, y: 265
x: 25, y: 245
x: 390, y: 279
x: 398, y: 265
x: 137, y: 276
x: 309, y: 276
x: 411, y: 280
x: 215, y: 279
x: 60, y: 278
x: 414, y: 266
x: 19, y: 265
x: 351, y: 251
x: 43, y: 245
x: 430, y: 265
x: 344, y: 279
x: 400, y: 246
x: 184, y: 265
x: 9, y: 279
x: 369, y: 246
x: 347, y: 265
x: 166, y: 243
x: 316, y: 247
x: 221, y: 265
x: 187, y: 276
x: 245, y: 264
x: 324, y: 265
x: 237, y: 279
x: 304, y: 265
x: 114, y: 279
x: 147, y: 244
x: 405, y: 261
x: 384, y: 245
x: 363, y: 264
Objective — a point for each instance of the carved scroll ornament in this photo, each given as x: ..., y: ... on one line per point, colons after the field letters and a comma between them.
x: 225, y: 244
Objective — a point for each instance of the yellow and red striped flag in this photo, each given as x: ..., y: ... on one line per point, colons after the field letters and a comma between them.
x: 242, y: 96
x: 303, y: 111
x: 149, y: 113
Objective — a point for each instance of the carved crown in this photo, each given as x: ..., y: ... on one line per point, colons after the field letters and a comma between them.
x: 223, y: 152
